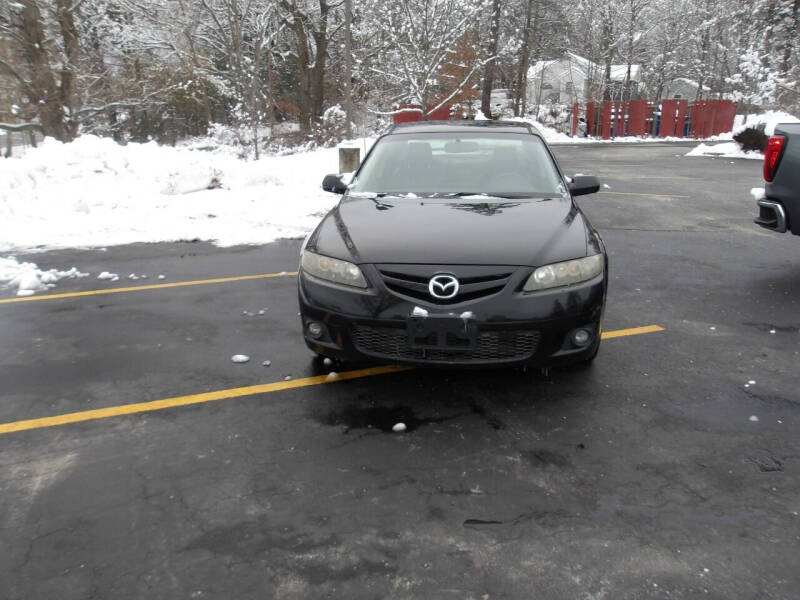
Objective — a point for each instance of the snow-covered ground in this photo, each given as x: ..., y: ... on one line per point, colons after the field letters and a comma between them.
x: 94, y: 192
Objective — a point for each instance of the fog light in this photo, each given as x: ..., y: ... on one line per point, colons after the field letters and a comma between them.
x: 314, y: 329
x: 581, y: 337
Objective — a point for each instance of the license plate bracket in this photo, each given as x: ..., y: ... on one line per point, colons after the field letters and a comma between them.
x: 442, y: 331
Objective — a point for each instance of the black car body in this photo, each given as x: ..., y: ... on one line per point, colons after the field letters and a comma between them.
x: 779, y: 209
x: 409, y: 247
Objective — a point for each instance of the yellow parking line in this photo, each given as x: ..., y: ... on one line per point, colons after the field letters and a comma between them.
x: 139, y: 407
x: 641, y: 194
x: 633, y: 331
x: 142, y: 288
x: 264, y: 388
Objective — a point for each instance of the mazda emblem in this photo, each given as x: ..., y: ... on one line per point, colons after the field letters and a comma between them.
x: 443, y: 287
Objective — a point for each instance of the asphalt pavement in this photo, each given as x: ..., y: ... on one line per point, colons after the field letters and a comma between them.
x: 138, y: 461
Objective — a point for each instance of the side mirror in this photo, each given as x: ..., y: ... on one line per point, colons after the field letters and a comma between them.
x: 584, y: 184
x: 334, y: 183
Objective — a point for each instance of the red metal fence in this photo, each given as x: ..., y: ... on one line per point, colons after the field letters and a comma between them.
x: 673, y: 118
x: 409, y: 116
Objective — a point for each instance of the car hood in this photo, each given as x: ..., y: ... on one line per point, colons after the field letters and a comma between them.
x: 436, y: 231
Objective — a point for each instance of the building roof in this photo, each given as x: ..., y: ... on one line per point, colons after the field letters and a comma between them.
x: 618, y: 72
x: 584, y: 65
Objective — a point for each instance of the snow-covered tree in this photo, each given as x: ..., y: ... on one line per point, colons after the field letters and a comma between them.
x: 418, y: 39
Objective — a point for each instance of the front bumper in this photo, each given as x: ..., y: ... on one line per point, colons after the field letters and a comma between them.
x: 505, y: 328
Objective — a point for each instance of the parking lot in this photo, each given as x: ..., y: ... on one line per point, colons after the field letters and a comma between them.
x: 138, y: 461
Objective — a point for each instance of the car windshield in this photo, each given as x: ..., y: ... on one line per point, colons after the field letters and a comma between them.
x: 470, y: 166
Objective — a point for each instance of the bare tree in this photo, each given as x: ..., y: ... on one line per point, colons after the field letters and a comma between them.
x: 419, y: 38
x: 309, y: 21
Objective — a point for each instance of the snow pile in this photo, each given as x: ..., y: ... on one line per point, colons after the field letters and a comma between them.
x: 767, y: 120
x: 94, y: 192
x: 27, y: 278
x: 726, y: 150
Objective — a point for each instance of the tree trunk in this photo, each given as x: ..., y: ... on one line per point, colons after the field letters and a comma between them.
x: 318, y: 72
x: 42, y: 90
x: 270, y: 93
x: 489, y: 69
x: 608, y: 54
x: 255, y: 86
x: 69, y: 34
x: 522, y: 72
x: 303, y: 68
x: 348, y: 66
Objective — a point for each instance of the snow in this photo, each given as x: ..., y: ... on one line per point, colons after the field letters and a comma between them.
x: 107, y: 275
x: 769, y: 120
x: 94, y: 192
x: 240, y: 358
x: 419, y: 312
x: 399, y: 427
x: 28, y: 278
x: 266, y: 363
x: 754, y: 418
x: 725, y: 150
x: 757, y: 193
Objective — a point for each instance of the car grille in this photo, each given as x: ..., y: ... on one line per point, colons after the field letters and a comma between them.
x: 390, y: 343
x: 475, y: 282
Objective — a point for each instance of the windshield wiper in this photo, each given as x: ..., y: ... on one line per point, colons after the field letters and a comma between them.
x: 381, y: 205
x: 481, y: 195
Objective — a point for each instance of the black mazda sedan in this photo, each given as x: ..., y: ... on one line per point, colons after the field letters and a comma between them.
x: 456, y: 244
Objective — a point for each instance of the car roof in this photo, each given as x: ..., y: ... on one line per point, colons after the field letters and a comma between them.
x: 462, y: 126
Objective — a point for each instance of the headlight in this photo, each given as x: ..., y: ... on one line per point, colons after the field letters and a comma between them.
x: 332, y: 269
x: 564, y: 273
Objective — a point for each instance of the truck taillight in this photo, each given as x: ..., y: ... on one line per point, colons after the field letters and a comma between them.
x: 772, y: 156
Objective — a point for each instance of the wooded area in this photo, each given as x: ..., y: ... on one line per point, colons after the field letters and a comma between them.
x: 166, y: 69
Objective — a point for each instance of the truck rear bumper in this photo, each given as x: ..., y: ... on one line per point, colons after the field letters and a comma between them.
x: 771, y: 215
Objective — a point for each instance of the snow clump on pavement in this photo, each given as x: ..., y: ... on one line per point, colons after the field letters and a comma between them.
x: 28, y: 279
